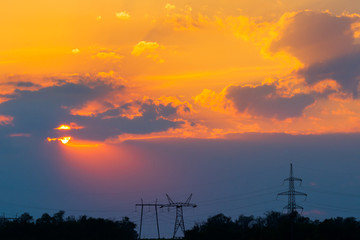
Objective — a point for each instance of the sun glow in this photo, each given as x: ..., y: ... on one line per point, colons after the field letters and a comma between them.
x: 64, y: 140
x: 63, y: 127
x: 69, y: 127
x: 84, y: 144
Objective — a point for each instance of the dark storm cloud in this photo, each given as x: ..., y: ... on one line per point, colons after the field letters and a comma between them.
x: 263, y: 101
x: 38, y: 112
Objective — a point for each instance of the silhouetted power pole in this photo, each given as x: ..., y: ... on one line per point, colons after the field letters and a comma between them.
x: 291, y: 193
x: 292, y: 206
x: 142, y: 205
x: 179, y: 221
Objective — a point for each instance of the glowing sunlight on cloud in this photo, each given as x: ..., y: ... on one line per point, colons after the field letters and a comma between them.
x: 69, y: 127
x: 63, y: 127
x: 75, y: 51
x: 5, y: 120
x: 64, y: 140
x: 149, y: 49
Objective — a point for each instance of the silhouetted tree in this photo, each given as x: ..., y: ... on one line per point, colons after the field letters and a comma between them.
x: 25, y: 218
x: 275, y: 226
x: 56, y: 227
x: 58, y: 217
x: 45, y: 219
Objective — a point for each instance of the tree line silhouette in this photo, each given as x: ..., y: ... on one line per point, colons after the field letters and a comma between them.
x: 273, y: 225
x: 57, y: 227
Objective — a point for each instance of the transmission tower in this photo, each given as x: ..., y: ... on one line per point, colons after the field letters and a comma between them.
x: 142, y: 205
x: 291, y: 193
x: 179, y: 220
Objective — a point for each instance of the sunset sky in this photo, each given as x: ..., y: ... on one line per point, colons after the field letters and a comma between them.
x: 106, y: 102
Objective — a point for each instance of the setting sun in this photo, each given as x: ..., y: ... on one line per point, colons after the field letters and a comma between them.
x: 63, y: 127
x: 64, y: 140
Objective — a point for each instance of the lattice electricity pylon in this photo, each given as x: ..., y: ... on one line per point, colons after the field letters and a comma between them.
x: 142, y: 205
x: 179, y: 221
x: 291, y: 193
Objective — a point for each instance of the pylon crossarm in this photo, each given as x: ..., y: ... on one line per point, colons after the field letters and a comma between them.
x: 169, y: 199
x: 283, y: 193
x: 189, y: 199
x: 166, y: 205
x: 190, y: 205
x: 293, y: 179
x: 300, y: 193
x: 298, y: 179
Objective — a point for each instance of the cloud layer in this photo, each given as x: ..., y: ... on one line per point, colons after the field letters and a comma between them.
x: 264, y: 101
x: 39, y: 112
x: 326, y: 44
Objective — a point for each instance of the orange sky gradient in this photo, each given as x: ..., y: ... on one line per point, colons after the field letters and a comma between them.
x: 224, y: 68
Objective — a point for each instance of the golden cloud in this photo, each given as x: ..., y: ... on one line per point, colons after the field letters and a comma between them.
x: 169, y: 6
x: 184, y: 19
x: 123, y: 15
x: 148, y: 49
x: 75, y: 51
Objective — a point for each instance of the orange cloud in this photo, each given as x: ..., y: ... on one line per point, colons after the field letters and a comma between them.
x: 20, y: 135
x: 183, y: 19
x: 271, y: 99
x: 107, y: 55
x: 6, y: 120
x: 170, y: 6
x: 215, y: 101
x: 132, y: 111
x: 90, y: 109
x: 187, y: 130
